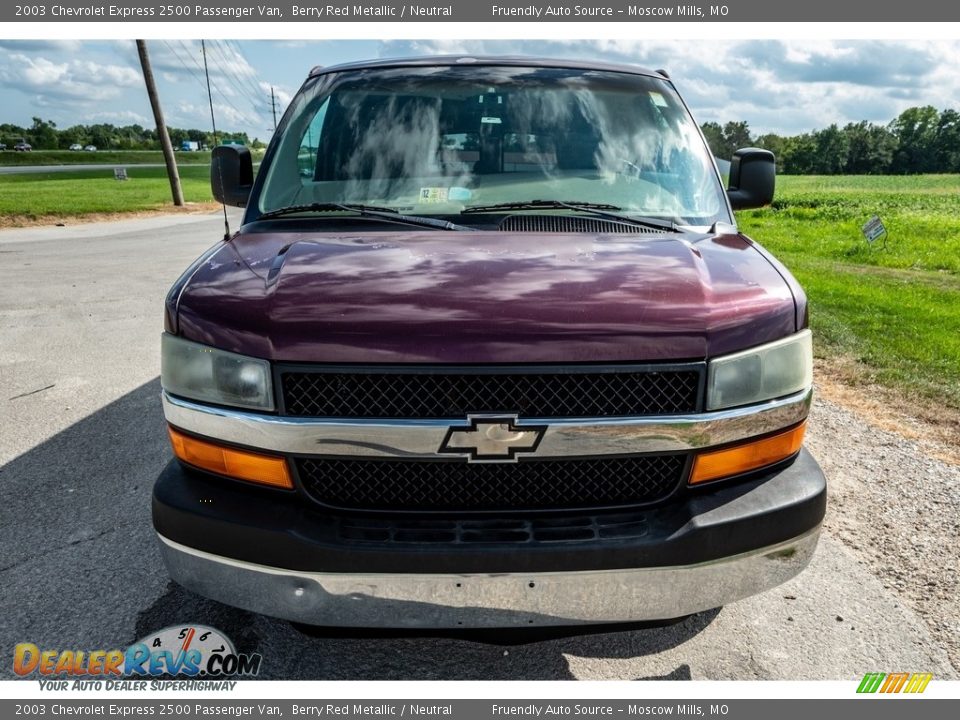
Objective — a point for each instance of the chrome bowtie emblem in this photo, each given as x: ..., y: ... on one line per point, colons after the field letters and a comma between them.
x: 492, y: 439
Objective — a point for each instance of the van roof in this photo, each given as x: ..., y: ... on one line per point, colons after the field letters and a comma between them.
x: 515, y: 60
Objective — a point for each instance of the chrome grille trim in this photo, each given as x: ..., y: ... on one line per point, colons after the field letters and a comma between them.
x: 410, y: 438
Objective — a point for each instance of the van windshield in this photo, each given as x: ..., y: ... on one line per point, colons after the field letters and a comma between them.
x: 440, y: 140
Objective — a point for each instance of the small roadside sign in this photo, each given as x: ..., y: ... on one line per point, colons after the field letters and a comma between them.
x: 874, y: 229
x: 120, y: 173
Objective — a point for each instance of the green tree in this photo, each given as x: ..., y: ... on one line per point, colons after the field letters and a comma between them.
x: 947, y: 142
x: 11, y: 134
x: 775, y: 144
x: 75, y: 134
x: 42, y: 135
x: 870, y: 148
x: 714, y: 135
x: 726, y: 140
x: 800, y: 155
x: 736, y: 135
x: 831, y: 153
x: 916, y: 133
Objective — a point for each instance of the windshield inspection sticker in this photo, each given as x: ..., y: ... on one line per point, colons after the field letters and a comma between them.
x: 658, y: 99
x: 433, y: 195
x: 442, y: 195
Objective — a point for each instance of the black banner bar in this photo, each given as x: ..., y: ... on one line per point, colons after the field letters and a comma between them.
x: 433, y: 709
x: 645, y: 11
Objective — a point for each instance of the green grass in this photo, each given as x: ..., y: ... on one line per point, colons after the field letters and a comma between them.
x: 123, y: 157
x: 895, y: 309
x: 822, y: 216
x: 70, y: 194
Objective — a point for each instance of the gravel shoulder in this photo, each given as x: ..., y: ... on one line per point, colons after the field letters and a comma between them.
x: 48, y: 221
x: 893, y: 503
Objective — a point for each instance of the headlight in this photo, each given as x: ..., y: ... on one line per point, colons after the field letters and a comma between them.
x: 761, y: 373
x: 204, y: 373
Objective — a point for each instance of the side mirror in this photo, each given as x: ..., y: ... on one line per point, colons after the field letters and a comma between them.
x: 231, y: 174
x: 753, y: 176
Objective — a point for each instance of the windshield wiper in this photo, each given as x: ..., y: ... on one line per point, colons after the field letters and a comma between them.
x: 383, y: 213
x: 591, y: 208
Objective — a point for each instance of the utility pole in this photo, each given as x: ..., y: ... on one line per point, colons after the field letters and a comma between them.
x: 168, y: 156
x: 273, y: 106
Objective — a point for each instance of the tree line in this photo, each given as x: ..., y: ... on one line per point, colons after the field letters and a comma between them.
x: 919, y: 140
x: 45, y: 135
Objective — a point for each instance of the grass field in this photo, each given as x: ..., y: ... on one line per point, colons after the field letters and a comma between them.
x: 123, y: 157
x: 88, y: 192
x: 894, y: 309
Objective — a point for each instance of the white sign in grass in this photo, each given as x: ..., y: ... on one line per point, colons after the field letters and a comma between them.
x: 873, y: 229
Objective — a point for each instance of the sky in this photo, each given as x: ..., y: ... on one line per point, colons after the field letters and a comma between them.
x: 785, y: 87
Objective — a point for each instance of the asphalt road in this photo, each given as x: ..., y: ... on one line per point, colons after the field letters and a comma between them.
x: 83, y: 438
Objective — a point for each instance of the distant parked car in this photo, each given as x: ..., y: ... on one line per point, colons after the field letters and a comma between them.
x: 23, y: 147
x: 3, y: 146
x: 76, y: 146
x: 90, y: 148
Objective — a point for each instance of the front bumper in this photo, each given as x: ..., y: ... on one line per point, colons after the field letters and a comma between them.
x: 475, y: 601
x: 269, y: 552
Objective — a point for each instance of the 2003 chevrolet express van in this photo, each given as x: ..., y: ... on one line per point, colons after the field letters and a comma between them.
x: 488, y: 350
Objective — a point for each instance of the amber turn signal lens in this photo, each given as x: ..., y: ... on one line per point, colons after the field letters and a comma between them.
x: 240, y: 464
x: 749, y: 456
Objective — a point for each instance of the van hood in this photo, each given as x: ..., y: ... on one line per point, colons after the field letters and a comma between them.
x: 483, y: 297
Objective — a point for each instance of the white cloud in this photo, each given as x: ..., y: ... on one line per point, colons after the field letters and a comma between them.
x: 41, y: 45
x: 119, y: 117
x: 50, y: 81
x: 776, y: 86
x: 282, y: 96
x: 114, y: 74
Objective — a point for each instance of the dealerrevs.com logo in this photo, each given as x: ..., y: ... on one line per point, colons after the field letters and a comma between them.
x: 191, y: 651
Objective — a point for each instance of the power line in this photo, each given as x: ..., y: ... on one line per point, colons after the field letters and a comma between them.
x: 241, y: 113
x: 185, y: 66
x: 254, y: 98
x: 263, y: 108
x: 251, y: 83
x: 213, y: 122
x: 235, y: 46
x: 256, y: 103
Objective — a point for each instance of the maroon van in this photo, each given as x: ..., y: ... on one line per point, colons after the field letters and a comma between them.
x: 488, y: 350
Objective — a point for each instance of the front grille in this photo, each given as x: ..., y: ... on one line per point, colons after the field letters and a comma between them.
x: 457, y: 486
x: 455, y: 393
